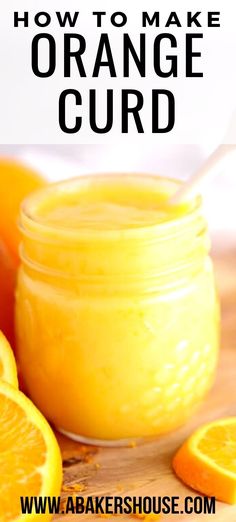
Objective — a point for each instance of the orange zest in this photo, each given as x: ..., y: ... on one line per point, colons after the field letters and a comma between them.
x: 207, y: 460
x: 30, y: 459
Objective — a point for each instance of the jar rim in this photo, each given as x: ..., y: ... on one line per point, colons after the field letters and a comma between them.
x: 30, y: 225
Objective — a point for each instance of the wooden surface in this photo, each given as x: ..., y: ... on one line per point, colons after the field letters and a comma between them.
x: 146, y: 469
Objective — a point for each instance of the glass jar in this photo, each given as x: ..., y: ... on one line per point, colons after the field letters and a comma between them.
x: 117, y: 319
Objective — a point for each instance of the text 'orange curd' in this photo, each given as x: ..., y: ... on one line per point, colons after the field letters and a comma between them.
x: 117, y: 316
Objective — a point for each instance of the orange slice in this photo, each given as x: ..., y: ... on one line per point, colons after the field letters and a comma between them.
x: 30, y: 459
x: 207, y: 460
x: 8, y: 371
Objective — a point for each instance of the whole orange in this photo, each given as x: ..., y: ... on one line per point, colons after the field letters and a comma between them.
x: 16, y: 182
x: 7, y: 286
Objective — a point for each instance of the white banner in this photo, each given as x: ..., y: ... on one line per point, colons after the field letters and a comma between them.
x: 78, y: 72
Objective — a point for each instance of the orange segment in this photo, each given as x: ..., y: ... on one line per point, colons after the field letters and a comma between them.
x: 30, y: 459
x: 16, y: 182
x: 207, y: 460
x: 8, y: 371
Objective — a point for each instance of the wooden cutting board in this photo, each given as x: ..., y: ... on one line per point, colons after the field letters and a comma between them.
x: 146, y: 469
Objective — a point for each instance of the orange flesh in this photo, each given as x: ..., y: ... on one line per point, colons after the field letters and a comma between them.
x: 219, y: 444
x: 22, y: 451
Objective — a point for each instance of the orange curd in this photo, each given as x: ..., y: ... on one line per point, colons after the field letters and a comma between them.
x: 116, y: 311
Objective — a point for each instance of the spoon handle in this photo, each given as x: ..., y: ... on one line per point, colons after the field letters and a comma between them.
x: 213, y: 163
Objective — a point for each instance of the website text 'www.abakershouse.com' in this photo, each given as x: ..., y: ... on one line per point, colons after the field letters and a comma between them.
x: 116, y: 505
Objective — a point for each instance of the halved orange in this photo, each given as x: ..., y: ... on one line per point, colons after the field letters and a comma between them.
x: 30, y: 460
x: 8, y: 371
x: 207, y: 460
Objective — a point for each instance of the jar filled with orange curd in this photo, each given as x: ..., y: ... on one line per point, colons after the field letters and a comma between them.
x: 117, y: 317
